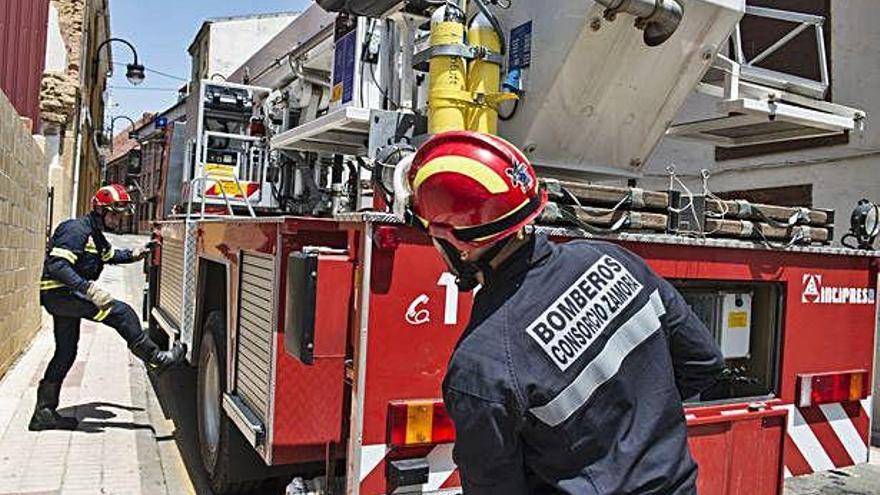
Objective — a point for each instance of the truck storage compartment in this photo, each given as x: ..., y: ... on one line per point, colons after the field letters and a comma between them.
x: 745, y: 320
x: 738, y: 449
x: 311, y: 368
x: 256, y: 329
x: 171, y: 280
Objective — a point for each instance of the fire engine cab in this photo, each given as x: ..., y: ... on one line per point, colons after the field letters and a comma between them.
x: 321, y: 321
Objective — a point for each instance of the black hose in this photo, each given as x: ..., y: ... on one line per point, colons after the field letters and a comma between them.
x: 592, y: 229
x: 775, y: 223
x: 505, y: 118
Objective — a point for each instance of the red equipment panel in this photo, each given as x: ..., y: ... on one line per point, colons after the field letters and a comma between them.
x: 738, y: 451
x: 829, y: 322
x: 309, y: 398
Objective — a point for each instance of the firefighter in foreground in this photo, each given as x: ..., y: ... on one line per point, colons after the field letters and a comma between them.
x: 77, y: 253
x: 570, y: 376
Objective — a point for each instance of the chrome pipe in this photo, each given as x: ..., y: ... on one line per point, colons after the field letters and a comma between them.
x: 657, y: 18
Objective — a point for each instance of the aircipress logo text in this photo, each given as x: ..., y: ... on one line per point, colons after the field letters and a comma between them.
x: 573, y: 321
x: 815, y: 292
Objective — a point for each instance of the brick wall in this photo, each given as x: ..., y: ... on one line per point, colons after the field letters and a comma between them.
x: 23, y: 179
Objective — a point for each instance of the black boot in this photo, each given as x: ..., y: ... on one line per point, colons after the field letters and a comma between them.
x: 45, y: 415
x: 157, y: 360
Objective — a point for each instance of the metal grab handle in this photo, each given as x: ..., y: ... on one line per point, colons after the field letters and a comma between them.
x: 192, y: 188
x: 204, y: 181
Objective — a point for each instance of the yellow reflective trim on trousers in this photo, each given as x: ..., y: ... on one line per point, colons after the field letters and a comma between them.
x: 468, y: 167
x: 108, y: 255
x: 63, y: 253
x: 50, y: 284
x: 104, y: 313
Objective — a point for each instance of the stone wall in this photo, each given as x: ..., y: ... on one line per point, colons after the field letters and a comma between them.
x: 22, y: 233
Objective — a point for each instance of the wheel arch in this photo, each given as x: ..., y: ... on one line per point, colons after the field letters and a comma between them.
x: 213, y: 295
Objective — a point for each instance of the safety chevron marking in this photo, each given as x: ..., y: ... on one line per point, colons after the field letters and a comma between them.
x: 826, y: 437
x: 442, y: 474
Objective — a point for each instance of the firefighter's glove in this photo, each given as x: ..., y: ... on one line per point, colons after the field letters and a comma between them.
x: 100, y: 297
x: 140, y: 253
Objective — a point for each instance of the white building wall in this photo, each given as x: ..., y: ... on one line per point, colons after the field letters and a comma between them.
x: 56, y: 52
x: 233, y: 42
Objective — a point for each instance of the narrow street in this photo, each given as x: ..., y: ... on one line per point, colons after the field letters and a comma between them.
x: 127, y: 442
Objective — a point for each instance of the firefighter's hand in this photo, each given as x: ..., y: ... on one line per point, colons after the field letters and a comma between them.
x: 100, y: 297
x: 140, y: 253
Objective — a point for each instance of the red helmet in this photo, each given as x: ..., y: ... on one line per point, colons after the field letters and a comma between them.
x: 473, y: 189
x: 114, y: 197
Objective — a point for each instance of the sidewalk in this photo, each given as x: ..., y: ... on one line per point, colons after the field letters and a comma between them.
x: 123, y: 445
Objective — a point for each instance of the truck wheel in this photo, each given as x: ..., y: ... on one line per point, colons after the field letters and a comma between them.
x: 219, y: 441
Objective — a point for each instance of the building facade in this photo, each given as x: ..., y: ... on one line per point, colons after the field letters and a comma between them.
x: 23, y: 211
x: 123, y: 165
x: 155, y: 139
x: 72, y: 101
x: 47, y: 179
x: 224, y: 43
x: 23, y: 174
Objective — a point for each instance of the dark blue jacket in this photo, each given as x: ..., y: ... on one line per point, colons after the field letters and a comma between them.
x: 77, y: 254
x: 571, y: 374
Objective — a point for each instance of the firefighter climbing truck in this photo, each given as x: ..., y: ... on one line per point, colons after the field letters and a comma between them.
x: 320, y: 321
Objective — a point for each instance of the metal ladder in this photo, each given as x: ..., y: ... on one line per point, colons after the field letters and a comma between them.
x: 191, y: 222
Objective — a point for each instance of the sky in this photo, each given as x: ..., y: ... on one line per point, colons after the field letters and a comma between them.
x: 161, y: 31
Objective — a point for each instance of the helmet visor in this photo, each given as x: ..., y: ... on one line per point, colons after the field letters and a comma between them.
x: 121, y: 208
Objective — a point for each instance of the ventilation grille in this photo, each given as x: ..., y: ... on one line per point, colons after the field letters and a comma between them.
x: 255, y: 332
x: 171, y: 279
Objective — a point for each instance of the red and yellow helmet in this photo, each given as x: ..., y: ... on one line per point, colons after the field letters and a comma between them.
x: 473, y: 189
x: 113, y: 197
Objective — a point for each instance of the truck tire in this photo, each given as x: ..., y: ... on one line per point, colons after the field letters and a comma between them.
x: 220, y: 443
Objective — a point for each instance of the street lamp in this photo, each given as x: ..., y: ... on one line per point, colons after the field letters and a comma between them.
x: 134, y: 71
x: 113, y: 136
x: 112, y: 125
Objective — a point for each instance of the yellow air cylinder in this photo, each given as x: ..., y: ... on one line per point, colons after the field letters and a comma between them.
x: 447, y: 91
x: 484, y: 77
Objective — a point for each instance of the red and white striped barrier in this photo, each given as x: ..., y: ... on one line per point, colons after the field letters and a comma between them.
x: 442, y: 475
x: 826, y: 437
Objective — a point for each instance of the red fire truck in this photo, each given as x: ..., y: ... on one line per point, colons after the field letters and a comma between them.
x: 321, y: 322
x: 325, y: 341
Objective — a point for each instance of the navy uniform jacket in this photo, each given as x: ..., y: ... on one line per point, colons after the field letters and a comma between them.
x: 571, y: 373
x: 77, y: 253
